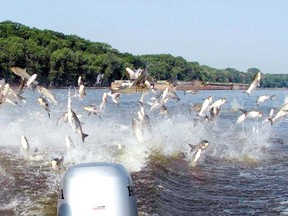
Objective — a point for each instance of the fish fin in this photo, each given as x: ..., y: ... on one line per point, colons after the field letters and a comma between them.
x: 61, y: 159
x: 192, y: 148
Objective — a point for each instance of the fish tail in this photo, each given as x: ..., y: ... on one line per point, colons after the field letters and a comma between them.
x: 84, y: 136
x: 271, y: 120
x: 247, y: 92
x: 20, y: 96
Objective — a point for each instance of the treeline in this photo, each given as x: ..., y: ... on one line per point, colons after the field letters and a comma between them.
x: 59, y: 60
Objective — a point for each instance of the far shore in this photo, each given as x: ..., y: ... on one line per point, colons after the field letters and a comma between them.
x: 179, y: 89
x: 14, y: 86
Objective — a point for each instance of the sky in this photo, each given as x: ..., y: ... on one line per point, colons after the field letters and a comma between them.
x: 238, y: 34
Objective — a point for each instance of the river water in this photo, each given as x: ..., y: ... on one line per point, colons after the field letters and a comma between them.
x: 242, y: 172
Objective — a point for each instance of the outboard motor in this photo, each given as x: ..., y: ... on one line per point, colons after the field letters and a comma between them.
x: 96, y: 189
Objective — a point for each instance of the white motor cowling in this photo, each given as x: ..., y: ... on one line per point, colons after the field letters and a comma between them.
x: 98, y: 189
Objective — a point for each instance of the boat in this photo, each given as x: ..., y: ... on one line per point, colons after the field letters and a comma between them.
x: 97, y: 188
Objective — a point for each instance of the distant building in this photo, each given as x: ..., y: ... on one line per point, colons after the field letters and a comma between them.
x: 193, y: 85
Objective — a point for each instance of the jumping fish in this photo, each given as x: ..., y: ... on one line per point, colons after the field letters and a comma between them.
x: 24, y: 144
x: 219, y: 103
x: 264, y: 98
x: 254, y: 114
x: 44, y: 103
x: 216, y: 106
x: 21, y: 86
x: 271, y: 113
x: 9, y: 95
x: 80, y: 82
x: 73, y: 120
x: 4, y: 89
x: 241, y: 118
x: 149, y: 85
x: 283, y: 111
x: 104, y: 100
x: 251, y: 114
x: 133, y: 74
x: 31, y: 80
x: 141, y: 114
x: 81, y: 91
x: 205, y: 106
x: 196, y: 107
x: 138, y: 83
x: 197, y: 149
x: 160, y: 100
x: 57, y: 164
x: 92, y: 109
x: 141, y: 77
x: 20, y: 72
x: 45, y: 92
x: 192, y: 91
x: 254, y: 84
x: 99, y: 79
x: 76, y: 125
x: 172, y: 94
x: 115, y: 97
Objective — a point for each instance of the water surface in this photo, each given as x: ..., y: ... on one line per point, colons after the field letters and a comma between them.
x: 242, y: 172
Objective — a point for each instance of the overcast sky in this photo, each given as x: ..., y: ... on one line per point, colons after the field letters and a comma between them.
x: 240, y: 34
